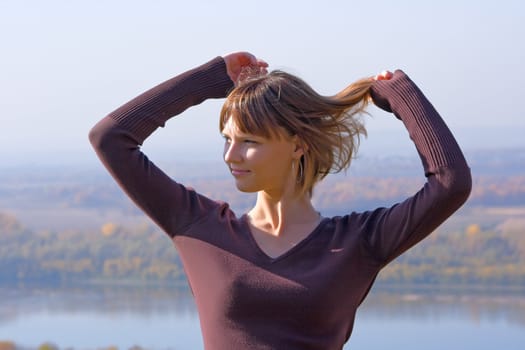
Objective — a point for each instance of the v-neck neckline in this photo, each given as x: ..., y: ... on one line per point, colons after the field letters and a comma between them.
x: 286, y: 253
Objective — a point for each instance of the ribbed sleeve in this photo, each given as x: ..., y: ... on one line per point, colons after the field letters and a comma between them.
x: 434, y: 141
x: 392, y: 231
x: 142, y: 115
x: 117, y: 137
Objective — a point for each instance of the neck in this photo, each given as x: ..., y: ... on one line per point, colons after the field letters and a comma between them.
x: 275, y: 215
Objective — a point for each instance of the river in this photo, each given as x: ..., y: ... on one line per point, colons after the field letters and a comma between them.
x: 164, y: 317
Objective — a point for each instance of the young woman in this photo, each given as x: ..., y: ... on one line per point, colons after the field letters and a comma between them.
x: 281, y: 276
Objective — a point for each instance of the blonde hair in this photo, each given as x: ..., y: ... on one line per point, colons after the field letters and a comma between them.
x: 327, y: 126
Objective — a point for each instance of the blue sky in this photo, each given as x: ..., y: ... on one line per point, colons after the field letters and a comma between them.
x: 66, y: 64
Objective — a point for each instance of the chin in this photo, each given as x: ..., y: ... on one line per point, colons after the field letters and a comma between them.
x: 246, y: 188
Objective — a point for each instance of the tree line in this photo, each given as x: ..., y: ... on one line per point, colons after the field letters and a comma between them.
x: 465, y: 256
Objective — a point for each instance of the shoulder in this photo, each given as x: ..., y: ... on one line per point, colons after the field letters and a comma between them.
x: 354, y: 224
x: 217, y: 218
x: 355, y: 219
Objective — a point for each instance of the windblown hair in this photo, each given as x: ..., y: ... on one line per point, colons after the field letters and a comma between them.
x: 327, y: 126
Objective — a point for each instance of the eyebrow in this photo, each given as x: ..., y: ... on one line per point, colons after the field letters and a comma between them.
x: 243, y: 135
x: 236, y: 130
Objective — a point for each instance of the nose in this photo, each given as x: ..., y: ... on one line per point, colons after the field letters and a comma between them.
x: 232, y: 152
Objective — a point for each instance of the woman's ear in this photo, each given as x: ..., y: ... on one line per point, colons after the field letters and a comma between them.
x: 300, y: 147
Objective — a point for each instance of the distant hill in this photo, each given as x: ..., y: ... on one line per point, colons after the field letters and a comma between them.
x: 77, y: 197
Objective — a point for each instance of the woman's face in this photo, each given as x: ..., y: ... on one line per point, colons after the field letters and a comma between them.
x: 258, y: 163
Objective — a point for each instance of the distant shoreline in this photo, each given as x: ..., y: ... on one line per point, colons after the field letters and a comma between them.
x: 182, y: 286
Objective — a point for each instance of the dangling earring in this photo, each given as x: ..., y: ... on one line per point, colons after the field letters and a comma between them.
x: 300, y: 173
x: 297, y: 175
x: 300, y: 176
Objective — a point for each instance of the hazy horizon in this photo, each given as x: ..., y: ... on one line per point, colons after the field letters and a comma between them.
x: 378, y: 144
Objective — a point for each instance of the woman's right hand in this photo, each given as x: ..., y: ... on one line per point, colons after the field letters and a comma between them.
x: 384, y: 75
x: 382, y: 78
x: 241, y: 64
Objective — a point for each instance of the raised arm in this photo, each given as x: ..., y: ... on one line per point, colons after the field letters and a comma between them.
x: 391, y: 231
x: 117, y: 139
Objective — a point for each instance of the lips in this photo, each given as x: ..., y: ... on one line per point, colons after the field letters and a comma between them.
x: 239, y: 172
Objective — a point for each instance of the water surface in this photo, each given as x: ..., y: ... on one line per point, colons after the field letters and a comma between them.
x: 165, y: 318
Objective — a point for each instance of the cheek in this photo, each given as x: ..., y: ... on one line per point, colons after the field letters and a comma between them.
x: 259, y: 159
x: 252, y: 154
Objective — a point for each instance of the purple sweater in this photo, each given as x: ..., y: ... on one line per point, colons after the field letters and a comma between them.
x: 306, y: 298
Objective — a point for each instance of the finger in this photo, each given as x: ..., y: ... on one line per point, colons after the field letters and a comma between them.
x: 384, y: 75
x: 262, y: 63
